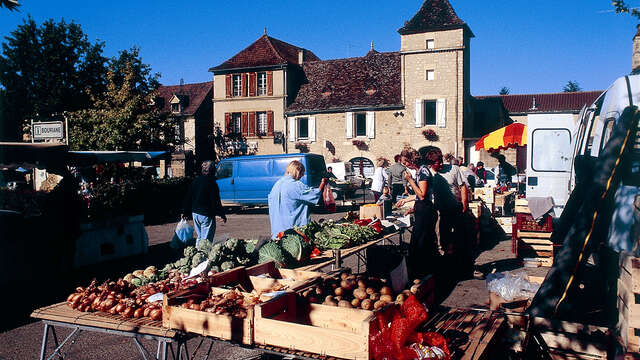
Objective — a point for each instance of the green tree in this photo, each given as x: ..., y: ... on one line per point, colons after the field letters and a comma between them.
x: 572, y: 86
x: 9, y: 4
x: 622, y: 8
x: 48, y: 69
x: 122, y: 118
x: 505, y: 91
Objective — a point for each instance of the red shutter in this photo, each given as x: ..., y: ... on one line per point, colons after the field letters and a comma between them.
x: 270, y: 83
x: 252, y: 124
x: 252, y: 84
x: 245, y: 83
x: 245, y: 125
x: 228, y: 126
x: 228, y: 85
x: 269, y: 122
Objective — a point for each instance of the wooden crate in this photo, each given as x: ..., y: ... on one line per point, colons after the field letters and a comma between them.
x: 629, y: 303
x: 266, y: 275
x: 535, y: 247
x: 476, y: 208
x: 204, y: 323
x: 486, y: 194
x: 522, y: 206
x: 288, y: 322
x: 506, y: 223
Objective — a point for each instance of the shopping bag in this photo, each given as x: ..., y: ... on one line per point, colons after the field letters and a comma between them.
x: 329, y: 201
x: 184, y: 231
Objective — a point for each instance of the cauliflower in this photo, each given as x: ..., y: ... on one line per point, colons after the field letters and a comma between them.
x: 231, y: 245
x: 151, y: 268
x: 138, y: 273
x: 128, y: 277
x: 204, y: 246
x: 149, y: 272
x: 215, y: 254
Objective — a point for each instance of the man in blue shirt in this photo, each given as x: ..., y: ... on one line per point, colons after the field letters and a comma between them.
x: 290, y: 198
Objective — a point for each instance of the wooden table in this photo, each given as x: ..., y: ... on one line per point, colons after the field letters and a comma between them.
x: 334, y: 257
x: 62, y: 315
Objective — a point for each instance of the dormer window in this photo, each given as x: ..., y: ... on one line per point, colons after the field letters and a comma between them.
x: 175, y: 108
x: 177, y: 104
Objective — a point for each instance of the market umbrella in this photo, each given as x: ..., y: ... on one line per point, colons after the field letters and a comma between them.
x: 506, y: 137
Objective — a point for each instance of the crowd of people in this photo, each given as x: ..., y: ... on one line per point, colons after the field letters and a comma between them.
x: 439, y: 186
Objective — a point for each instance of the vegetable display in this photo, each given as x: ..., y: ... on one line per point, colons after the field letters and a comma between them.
x: 272, y: 251
x: 339, y: 236
x: 232, y: 303
x: 222, y: 256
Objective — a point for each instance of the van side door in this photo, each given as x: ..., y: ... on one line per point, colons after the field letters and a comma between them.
x: 253, y: 181
x: 224, y: 175
x: 549, y: 157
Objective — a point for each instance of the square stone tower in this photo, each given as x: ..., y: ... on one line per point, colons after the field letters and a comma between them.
x: 435, y: 62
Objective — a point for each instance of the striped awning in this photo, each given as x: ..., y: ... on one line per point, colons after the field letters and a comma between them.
x: 506, y: 137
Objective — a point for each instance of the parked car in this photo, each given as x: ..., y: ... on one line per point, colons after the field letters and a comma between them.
x: 247, y: 180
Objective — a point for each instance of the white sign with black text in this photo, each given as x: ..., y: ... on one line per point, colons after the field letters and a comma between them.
x: 48, y: 130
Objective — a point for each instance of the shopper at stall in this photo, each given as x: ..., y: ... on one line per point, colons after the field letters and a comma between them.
x: 481, y: 172
x: 396, y: 178
x: 423, y: 247
x: 380, y: 178
x: 203, y: 203
x: 290, y: 198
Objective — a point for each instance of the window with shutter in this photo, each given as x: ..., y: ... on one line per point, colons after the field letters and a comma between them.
x: 262, y: 83
x: 269, y: 123
x: 292, y: 129
x: 417, y: 121
x: 429, y: 112
x: 361, y: 124
x: 245, y: 84
x: 371, y: 124
x: 269, y: 83
x: 227, y: 79
x: 348, y: 124
x: 441, y: 109
x: 312, y: 128
x: 303, y: 128
x: 245, y: 123
x: 237, y: 85
x: 228, y: 125
x: 236, y: 119
x: 262, y: 123
x: 252, y: 124
x: 252, y: 84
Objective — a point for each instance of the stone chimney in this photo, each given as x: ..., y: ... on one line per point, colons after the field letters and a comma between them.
x: 300, y: 56
x: 635, y: 63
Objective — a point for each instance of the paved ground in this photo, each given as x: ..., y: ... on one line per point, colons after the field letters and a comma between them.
x: 23, y: 342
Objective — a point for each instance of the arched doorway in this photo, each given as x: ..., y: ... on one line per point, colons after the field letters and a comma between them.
x: 362, y: 166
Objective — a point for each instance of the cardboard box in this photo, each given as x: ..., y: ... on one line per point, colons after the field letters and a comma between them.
x: 371, y: 211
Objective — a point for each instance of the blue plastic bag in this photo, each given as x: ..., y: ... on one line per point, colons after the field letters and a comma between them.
x: 184, y: 231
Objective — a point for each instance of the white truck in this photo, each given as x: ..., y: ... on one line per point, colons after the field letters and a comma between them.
x: 554, y: 140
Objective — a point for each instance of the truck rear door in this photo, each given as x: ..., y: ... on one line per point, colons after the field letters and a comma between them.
x: 549, y: 157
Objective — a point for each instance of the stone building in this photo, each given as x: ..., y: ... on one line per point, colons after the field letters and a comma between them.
x: 192, y: 105
x: 355, y: 108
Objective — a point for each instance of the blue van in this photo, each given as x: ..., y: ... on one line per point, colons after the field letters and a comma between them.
x: 247, y: 180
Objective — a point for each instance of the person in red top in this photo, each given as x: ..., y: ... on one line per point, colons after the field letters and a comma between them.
x: 481, y: 172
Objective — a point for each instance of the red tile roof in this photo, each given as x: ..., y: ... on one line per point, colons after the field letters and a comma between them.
x: 337, y: 85
x: 266, y: 51
x: 433, y: 15
x: 556, y: 102
x: 193, y: 94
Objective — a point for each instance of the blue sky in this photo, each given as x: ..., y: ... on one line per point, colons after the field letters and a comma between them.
x: 528, y: 46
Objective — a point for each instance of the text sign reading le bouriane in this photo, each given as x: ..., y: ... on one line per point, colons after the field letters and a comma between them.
x: 48, y: 130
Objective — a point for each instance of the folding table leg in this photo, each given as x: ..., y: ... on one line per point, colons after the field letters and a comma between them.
x: 45, y: 336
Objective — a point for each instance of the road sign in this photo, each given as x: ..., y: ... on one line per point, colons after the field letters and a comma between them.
x: 48, y: 130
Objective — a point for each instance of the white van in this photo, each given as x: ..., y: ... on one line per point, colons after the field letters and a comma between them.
x: 342, y: 170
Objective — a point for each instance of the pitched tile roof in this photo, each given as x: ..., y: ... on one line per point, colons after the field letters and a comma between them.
x: 195, y: 95
x: 335, y: 85
x: 555, y: 102
x: 266, y: 51
x: 433, y: 15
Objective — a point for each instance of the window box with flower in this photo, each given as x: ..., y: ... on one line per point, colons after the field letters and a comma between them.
x: 430, y: 135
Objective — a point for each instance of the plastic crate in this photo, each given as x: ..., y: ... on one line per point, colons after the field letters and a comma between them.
x: 526, y: 222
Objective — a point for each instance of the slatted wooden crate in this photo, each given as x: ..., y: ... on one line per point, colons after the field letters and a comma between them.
x: 535, y: 247
x: 486, y: 194
x: 629, y: 302
x: 506, y: 223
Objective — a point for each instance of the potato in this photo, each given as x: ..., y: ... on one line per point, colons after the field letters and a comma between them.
x: 338, y: 291
x: 360, y: 293
x: 330, y: 303
x: 344, y: 276
x: 328, y: 298
x: 351, y: 278
x: 347, y: 285
x: 374, y: 297
x: 370, y: 290
x: 355, y: 302
x: 362, y: 284
x: 337, y: 298
x: 386, y: 291
x: 379, y: 304
x: 386, y: 298
x: 344, y: 304
x: 366, y: 304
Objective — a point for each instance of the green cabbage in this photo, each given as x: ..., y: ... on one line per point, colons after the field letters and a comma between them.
x: 189, y: 251
x: 204, y: 246
x: 227, y: 265
x: 296, y: 247
x: 272, y: 251
x: 198, y: 258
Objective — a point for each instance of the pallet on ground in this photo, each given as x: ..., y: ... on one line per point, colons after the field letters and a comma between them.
x: 534, y: 248
x: 628, y: 301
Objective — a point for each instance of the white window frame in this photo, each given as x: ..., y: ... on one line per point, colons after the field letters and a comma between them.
x: 236, y: 120
x: 363, y: 117
x: 430, y: 44
x: 298, y: 121
x: 261, y: 83
x: 261, y: 123
x: 430, y: 74
x: 175, y: 108
x: 237, y: 85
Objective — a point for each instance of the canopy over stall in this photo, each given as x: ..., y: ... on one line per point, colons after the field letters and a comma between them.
x: 507, y: 137
x: 79, y: 158
x: 26, y: 156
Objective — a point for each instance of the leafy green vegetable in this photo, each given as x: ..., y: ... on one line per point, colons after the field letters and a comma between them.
x: 232, y: 245
x: 198, y: 258
x: 227, y: 265
x: 189, y: 251
x: 204, y: 246
x: 272, y: 251
x: 296, y: 247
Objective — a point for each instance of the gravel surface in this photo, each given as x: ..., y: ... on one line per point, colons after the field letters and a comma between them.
x: 24, y: 342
